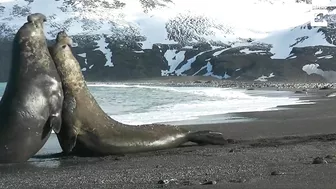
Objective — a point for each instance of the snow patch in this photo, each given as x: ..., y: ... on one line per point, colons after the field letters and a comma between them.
x: 83, y: 55
x: 292, y: 57
x: 313, y: 69
x: 333, y: 94
x: 200, y: 70
x: 187, y: 65
x: 325, y: 57
x: 248, y: 51
x: 103, y: 47
x: 264, y: 78
x: 319, y: 52
x: 219, y: 52
x: 209, y: 67
x: 210, y: 72
x: 174, y: 58
x: 188, y: 47
x: 283, y: 41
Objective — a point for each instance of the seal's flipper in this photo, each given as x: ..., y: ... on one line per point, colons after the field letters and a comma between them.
x: 55, y: 123
x: 207, y: 137
x: 70, y: 144
x: 67, y: 138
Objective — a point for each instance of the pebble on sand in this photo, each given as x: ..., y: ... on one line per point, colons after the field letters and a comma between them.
x: 209, y: 182
x: 277, y: 173
x: 239, y: 180
x: 163, y: 181
x: 319, y: 160
x: 331, y: 157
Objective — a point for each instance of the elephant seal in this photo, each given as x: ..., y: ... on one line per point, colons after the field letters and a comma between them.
x: 32, y: 102
x: 88, y: 131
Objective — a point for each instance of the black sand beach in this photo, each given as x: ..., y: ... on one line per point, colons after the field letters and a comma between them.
x: 275, y: 150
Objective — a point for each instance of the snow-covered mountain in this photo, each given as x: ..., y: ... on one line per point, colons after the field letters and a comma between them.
x: 237, y: 39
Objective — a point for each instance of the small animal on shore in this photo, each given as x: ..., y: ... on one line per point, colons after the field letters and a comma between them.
x: 32, y: 102
x: 88, y: 131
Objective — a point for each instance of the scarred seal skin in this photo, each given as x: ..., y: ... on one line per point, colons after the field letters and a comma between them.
x: 88, y: 131
x: 32, y: 102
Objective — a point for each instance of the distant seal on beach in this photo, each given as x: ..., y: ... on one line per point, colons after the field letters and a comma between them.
x: 32, y: 102
x: 88, y: 131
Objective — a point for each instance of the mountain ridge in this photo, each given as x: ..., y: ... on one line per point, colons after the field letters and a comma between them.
x: 124, y: 39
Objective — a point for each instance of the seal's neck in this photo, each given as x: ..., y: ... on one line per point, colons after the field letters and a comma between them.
x: 70, y: 71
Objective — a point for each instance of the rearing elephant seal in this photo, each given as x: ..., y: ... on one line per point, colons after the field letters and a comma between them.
x: 32, y: 102
x: 88, y: 130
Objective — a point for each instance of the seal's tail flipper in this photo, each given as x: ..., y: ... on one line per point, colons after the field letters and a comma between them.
x: 207, y: 137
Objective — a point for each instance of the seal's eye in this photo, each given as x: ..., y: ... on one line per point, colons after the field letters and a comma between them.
x: 63, y: 46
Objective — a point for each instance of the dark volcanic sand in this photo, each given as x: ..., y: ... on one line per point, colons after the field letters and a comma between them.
x: 285, y: 141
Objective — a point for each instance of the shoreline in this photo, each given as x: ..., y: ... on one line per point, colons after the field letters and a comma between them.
x: 224, y: 117
x: 284, y: 142
x: 208, y: 81
x: 286, y: 120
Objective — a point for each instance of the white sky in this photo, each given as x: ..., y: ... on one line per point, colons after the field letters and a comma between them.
x: 324, y: 2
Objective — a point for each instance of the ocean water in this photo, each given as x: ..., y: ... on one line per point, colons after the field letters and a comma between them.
x: 139, y: 104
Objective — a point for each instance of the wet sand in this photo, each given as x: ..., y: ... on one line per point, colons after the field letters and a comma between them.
x: 285, y: 141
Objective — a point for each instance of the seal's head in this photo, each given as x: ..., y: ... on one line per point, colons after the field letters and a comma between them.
x: 37, y: 19
x: 32, y: 30
x: 63, y: 39
x: 31, y: 41
x: 66, y: 64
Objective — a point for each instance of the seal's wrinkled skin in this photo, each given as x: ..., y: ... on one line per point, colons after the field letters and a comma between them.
x: 87, y: 130
x: 32, y: 102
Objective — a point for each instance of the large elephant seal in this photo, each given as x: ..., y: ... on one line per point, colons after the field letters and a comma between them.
x: 32, y: 102
x: 87, y: 130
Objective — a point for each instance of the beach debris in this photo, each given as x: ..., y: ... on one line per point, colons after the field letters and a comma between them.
x: 274, y: 173
x: 231, y: 141
x: 298, y: 92
x: 166, y: 181
x: 117, y: 158
x: 186, y: 183
x: 239, y: 180
x: 326, y: 86
x: 209, y: 182
x: 330, y: 157
x: 158, y: 166
x: 163, y: 181
x: 319, y: 160
x: 333, y: 94
x: 234, y: 150
x: 197, y: 81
